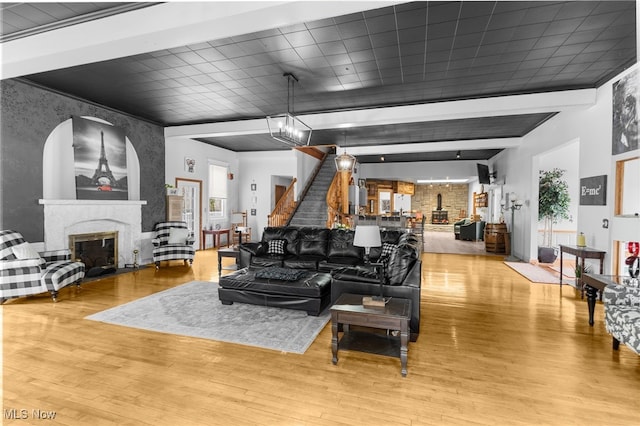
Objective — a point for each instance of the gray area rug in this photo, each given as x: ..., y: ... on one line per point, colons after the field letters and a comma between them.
x: 193, y: 309
x: 445, y: 242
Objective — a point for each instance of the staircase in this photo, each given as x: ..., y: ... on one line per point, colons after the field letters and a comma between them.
x: 312, y: 210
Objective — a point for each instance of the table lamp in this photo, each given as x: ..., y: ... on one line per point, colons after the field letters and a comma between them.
x: 368, y: 236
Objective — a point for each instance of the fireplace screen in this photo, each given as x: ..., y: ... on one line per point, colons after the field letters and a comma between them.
x: 98, y: 251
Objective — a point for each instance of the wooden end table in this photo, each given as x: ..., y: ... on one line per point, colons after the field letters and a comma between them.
x: 216, y: 236
x: 348, y: 310
x: 227, y: 252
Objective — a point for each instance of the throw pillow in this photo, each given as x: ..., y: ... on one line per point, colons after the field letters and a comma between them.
x: 276, y: 246
x: 25, y: 251
x: 283, y: 274
x: 178, y: 235
x: 387, y: 250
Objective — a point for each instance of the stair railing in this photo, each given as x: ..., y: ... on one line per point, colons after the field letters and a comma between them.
x: 306, y: 187
x: 284, y: 208
x: 335, y: 197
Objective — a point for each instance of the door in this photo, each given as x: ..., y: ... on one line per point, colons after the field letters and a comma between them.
x: 191, y: 190
x: 279, y: 192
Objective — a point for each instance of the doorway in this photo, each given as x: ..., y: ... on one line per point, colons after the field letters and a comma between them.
x: 191, y: 190
x: 279, y: 192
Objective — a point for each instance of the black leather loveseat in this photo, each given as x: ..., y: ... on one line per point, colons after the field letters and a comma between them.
x: 332, y: 251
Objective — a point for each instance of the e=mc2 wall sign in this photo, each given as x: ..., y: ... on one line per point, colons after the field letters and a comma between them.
x: 593, y: 191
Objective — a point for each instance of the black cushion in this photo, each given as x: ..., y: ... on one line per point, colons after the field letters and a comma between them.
x: 313, y: 284
x: 341, y: 245
x: 268, y: 260
x: 334, y: 263
x: 313, y: 241
x: 401, y: 262
x: 303, y: 262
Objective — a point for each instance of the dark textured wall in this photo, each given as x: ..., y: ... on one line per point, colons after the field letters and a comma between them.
x: 28, y: 115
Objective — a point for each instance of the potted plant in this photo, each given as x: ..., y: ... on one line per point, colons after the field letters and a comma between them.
x: 579, y: 271
x: 553, y: 204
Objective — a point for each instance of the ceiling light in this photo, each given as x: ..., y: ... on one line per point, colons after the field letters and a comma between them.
x: 287, y: 128
x: 345, y: 162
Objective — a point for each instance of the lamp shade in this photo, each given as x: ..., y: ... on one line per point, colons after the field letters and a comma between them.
x: 367, y: 236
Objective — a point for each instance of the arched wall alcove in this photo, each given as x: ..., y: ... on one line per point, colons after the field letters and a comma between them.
x: 58, y: 170
x: 65, y: 215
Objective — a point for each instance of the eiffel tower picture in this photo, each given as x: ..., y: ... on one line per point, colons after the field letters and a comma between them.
x: 106, y: 180
x: 103, y: 170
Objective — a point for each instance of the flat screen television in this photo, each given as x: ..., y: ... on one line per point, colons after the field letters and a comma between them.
x: 484, y: 177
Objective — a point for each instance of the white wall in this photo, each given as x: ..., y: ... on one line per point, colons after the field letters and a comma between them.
x: 258, y: 168
x: 175, y: 153
x: 592, y: 127
x: 564, y: 157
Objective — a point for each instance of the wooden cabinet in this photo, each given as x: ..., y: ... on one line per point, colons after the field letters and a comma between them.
x: 175, y: 206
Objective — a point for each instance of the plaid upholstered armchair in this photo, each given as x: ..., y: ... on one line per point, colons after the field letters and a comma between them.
x: 24, y: 272
x: 172, y: 241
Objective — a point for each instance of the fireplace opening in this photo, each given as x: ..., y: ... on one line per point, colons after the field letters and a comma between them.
x: 98, y: 251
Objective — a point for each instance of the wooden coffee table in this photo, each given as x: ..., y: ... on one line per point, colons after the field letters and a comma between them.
x: 395, y: 315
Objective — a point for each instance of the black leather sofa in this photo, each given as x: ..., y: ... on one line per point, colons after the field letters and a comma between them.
x: 317, y: 249
x: 332, y: 251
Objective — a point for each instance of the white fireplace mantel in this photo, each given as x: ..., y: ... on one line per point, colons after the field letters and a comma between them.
x: 93, y: 202
x: 66, y: 217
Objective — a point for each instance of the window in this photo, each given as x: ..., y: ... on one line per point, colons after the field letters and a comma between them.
x: 217, y: 191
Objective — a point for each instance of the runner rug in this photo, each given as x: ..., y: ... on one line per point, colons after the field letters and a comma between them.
x: 534, y: 273
x: 193, y: 309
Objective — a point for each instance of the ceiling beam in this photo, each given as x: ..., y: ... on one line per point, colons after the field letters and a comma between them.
x: 163, y: 26
x: 455, y: 145
x: 471, y: 108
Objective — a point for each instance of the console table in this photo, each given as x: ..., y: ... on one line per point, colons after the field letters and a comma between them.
x: 582, y: 253
x: 216, y: 236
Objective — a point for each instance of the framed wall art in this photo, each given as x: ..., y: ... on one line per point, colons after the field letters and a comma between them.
x: 100, y: 160
x: 625, y: 114
x: 593, y: 191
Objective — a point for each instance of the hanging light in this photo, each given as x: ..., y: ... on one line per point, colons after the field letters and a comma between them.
x: 287, y: 128
x: 345, y: 162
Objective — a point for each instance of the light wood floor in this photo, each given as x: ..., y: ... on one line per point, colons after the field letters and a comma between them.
x: 493, y: 349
